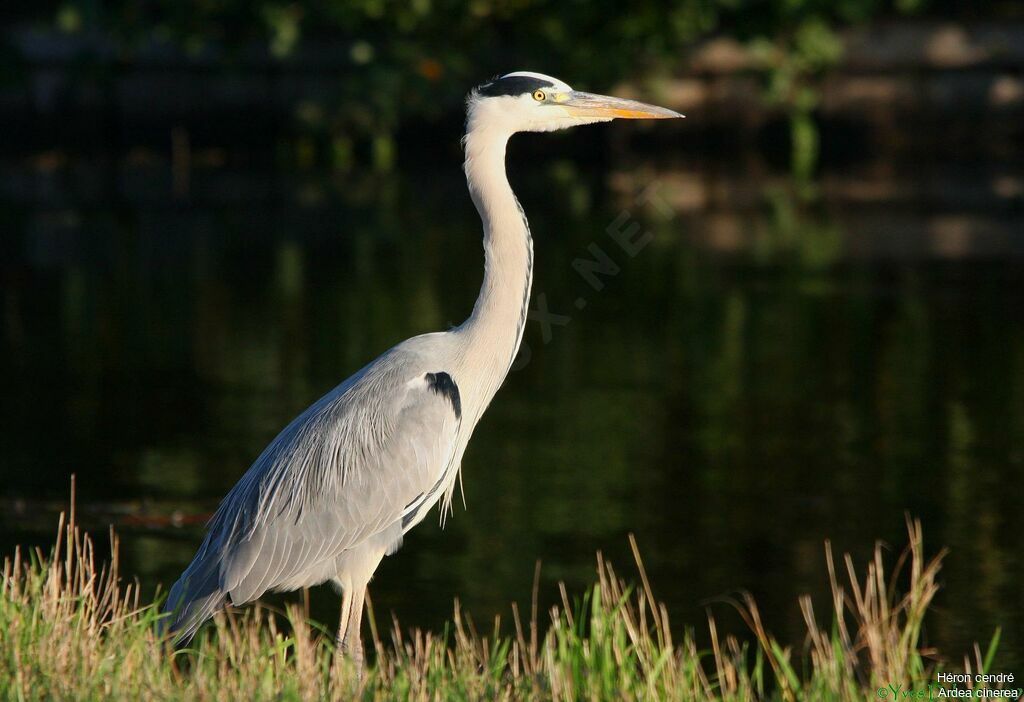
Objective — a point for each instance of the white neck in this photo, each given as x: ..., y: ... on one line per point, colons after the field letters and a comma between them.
x: 494, y: 330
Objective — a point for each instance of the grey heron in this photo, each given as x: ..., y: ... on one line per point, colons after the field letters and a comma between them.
x: 340, y: 486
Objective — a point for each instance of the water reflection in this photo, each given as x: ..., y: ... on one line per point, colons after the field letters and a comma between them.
x: 784, y: 363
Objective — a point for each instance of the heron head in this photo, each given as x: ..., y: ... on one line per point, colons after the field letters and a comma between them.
x: 533, y: 102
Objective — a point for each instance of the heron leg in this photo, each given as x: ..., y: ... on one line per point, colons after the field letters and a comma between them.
x: 346, y: 609
x: 355, y: 568
x: 352, y: 642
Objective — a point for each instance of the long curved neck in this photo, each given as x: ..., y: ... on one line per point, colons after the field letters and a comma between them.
x: 494, y: 330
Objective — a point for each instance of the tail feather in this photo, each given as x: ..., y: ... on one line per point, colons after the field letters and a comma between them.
x: 196, y: 597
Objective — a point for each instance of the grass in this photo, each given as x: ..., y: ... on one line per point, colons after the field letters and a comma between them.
x: 72, y: 630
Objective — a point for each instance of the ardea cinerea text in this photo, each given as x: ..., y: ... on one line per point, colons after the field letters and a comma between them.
x: 339, y: 486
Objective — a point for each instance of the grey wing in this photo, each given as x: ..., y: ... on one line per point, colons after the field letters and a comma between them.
x: 373, y: 453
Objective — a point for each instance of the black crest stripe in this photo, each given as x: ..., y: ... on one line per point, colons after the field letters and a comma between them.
x: 513, y: 85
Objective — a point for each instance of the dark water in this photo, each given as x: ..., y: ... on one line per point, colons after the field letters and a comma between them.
x: 776, y: 365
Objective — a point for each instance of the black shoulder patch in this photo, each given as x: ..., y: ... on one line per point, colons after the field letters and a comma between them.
x: 513, y: 85
x: 443, y: 385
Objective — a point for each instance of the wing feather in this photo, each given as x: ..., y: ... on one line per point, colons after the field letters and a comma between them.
x: 346, y: 469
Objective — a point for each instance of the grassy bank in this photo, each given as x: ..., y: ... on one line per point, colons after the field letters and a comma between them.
x: 71, y: 629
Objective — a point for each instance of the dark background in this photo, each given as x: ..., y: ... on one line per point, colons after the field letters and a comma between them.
x: 212, y: 213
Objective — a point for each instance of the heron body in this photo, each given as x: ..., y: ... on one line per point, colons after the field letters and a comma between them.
x: 339, y: 487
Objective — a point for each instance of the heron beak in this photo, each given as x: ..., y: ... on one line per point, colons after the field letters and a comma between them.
x: 588, y: 105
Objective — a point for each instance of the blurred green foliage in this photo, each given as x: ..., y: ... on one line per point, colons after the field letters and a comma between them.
x: 415, y: 59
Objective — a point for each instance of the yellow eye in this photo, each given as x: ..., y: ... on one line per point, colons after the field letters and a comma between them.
x: 539, y: 95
